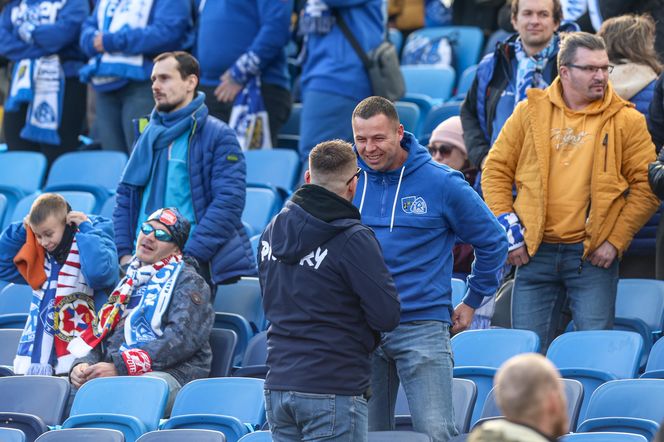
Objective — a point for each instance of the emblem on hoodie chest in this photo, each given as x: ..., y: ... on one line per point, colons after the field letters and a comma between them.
x: 414, y: 204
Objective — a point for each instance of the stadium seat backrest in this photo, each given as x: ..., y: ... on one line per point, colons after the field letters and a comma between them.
x: 223, y: 344
x: 409, y: 116
x: 491, y: 347
x: 125, y: 395
x: 437, y: 115
x: 11, y: 435
x: 435, y: 82
x: 9, y: 338
x: 495, y: 38
x: 656, y: 358
x: 630, y: 398
x: 465, y: 81
x: 240, y: 326
x: 642, y: 299
x: 257, y: 436
x: 603, y: 437
x: 108, y: 208
x: 79, y: 200
x: 613, y: 351
x: 458, y: 291
x: 256, y: 352
x: 289, y: 134
x: 255, y: 241
x: 23, y: 171
x: 397, y: 436
x: 242, y: 298
x: 241, y: 398
x: 93, y: 171
x: 42, y: 396
x: 22, y: 208
x: 82, y: 435
x: 15, y: 298
x: 467, y: 43
x: 277, y: 167
x: 3, y: 209
x: 183, y: 435
x: 396, y: 38
x: 261, y: 205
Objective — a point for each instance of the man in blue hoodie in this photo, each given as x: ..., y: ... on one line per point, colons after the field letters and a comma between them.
x: 418, y: 208
x: 333, y: 76
x: 186, y: 159
x: 327, y: 295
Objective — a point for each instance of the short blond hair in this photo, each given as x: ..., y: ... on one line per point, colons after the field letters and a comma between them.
x: 45, y: 205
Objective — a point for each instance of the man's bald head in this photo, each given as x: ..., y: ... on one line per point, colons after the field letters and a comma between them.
x: 528, y: 391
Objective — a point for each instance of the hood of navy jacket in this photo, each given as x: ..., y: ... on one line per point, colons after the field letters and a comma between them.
x: 417, y: 212
x: 313, y: 217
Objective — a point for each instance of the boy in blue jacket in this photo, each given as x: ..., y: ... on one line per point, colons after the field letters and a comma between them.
x: 68, y: 258
x: 418, y: 208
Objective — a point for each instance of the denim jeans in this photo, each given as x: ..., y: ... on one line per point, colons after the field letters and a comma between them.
x: 556, y: 274
x: 297, y: 416
x: 419, y: 355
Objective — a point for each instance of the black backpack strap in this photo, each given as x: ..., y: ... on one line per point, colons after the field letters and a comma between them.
x: 351, y: 39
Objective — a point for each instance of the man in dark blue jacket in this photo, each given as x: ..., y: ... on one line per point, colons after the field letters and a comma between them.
x: 327, y: 295
x: 418, y: 208
x: 187, y: 159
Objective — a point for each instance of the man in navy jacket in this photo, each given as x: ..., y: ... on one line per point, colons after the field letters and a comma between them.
x: 327, y: 295
x: 187, y: 159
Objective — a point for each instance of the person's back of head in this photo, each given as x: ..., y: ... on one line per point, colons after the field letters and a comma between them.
x: 47, y: 219
x: 631, y: 38
x: 528, y: 392
x: 333, y: 166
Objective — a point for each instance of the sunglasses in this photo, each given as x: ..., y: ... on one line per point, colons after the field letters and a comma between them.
x: 442, y: 149
x: 159, y: 234
x: 356, y: 175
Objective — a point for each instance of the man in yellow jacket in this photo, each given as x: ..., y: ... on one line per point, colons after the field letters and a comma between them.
x: 578, y: 155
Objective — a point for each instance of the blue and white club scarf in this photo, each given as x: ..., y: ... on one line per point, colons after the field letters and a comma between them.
x: 529, y: 69
x: 315, y: 18
x: 249, y: 119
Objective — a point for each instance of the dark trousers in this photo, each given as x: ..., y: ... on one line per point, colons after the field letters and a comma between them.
x: 277, y: 102
x: 71, y: 124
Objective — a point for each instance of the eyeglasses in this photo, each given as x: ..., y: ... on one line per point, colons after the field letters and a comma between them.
x: 159, y: 234
x: 356, y: 175
x: 442, y: 149
x: 592, y: 69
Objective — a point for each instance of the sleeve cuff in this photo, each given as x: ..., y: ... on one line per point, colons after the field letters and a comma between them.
x: 513, y: 229
x: 473, y: 299
x: 85, y: 226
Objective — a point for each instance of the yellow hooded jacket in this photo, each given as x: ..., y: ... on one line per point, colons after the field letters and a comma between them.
x: 620, y: 197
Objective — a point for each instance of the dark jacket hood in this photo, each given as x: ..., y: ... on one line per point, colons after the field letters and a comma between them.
x: 313, y: 216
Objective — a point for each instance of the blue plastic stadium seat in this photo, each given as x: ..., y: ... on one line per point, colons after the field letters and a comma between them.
x: 254, y: 360
x: 433, y: 81
x: 11, y: 435
x: 639, y: 403
x: 14, y: 305
x: 242, y: 298
x: 255, y: 241
x: 223, y: 344
x: 97, y: 172
x: 655, y: 366
x: 466, y: 41
x: 21, y: 173
x: 464, y: 394
x: 603, y: 437
x: 465, y: 82
x: 108, y: 208
x: 594, y: 357
x: 458, y: 291
x: 479, y: 353
x: 396, y: 37
x: 257, y: 436
x: 642, y: 299
x: 21, y: 208
x: 289, y: 134
x: 495, y: 38
x: 234, y: 406
x: 183, y: 435
x: 437, y: 115
x: 119, y: 403
x: 240, y: 326
x: 9, y: 338
x: 3, y: 209
x: 397, y: 436
x: 82, y: 435
x: 279, y: 168
x: 79, y: 200
x: 261, y: 205
x: 409, y: 116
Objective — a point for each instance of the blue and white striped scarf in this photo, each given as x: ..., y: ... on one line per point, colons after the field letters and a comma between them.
x: 529, y: 72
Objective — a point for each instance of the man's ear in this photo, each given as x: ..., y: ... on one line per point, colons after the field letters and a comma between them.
x: 307, y: 177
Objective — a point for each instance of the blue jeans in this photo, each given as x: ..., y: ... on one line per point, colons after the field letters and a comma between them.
x: 297, y: 416
x: 556, y: 274
x: 419, y: 355
x: 116, y: 110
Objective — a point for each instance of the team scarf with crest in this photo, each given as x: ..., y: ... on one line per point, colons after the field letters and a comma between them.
x: 143, y: 322
x: 60, y: 310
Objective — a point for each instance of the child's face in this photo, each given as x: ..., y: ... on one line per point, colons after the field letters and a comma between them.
x: 49, y: 232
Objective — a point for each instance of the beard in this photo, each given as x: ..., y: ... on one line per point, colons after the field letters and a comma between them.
x: 166, y: 107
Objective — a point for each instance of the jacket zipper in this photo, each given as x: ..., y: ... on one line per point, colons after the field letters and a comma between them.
x: 191, y: 187
x: 605, y: 143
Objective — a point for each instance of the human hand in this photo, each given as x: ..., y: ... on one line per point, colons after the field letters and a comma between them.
x: 98, y: 42
x: 604, y: 255
x: 228, y: 89
x: 518, y: 257
x: 25, y: 31
x: 100, y: 370
x: 77, y: 375
x: 461, y: 318
x: 77, y: 218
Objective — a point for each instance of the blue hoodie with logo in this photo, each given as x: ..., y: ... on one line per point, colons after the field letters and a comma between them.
x: 417, y: 211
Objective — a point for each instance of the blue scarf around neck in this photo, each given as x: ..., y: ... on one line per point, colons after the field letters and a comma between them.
x: 149, y: 160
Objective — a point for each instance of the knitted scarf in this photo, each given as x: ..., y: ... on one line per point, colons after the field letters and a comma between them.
x: 249, y: 118
x: 143, y: 322
x: 315, y: 18
x: 529, y: 69
x: 61, y: 309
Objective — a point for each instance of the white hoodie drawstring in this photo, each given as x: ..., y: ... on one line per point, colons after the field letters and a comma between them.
x: 364, y: 191
x: 396, y: 196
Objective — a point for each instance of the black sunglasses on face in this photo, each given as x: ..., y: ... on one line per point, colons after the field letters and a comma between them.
x: 442, y: 149
x: 356, y: 175
x: 159, y: 234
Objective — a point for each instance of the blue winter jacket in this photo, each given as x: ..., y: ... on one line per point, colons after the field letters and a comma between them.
x: 326, y: 293
x: 228, y: 29
x: 99, y: 261
x: 169, y: 28
x: 331, y: 64
x: 58, y: 37
x: 217, y: 174
x: 417, y: 212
